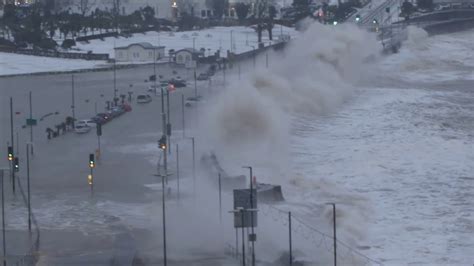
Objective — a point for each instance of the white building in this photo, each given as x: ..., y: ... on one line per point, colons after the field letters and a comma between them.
x: 139, y: 52
x: 187, y: 57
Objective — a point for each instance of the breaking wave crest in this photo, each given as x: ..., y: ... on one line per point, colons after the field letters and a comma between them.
x: 251, y: 120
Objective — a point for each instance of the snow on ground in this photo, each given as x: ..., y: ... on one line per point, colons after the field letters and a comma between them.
x: 219, y: 38
x: 22, y: 64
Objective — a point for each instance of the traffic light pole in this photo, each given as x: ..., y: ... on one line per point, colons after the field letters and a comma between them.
x: 91, y: 183
x: 31, y: 126
x: 168, y: 124
x: 12, y: 144
x: 163, y: 125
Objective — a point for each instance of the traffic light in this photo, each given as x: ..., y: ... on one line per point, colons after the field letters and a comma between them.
x: 90, y: 180
x: 162, y: 143
x: 375, y: 21
x: 10, y: 153
x: 357, y: 18
x: 16, y: 164
x: 91, y: 160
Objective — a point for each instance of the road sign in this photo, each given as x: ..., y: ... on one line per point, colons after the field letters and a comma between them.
x: 242, y: 201
x: 31, y: 122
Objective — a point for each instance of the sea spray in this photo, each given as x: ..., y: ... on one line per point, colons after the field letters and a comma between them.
x: 250, y: 121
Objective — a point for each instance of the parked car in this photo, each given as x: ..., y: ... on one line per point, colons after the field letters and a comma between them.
x: 82, y: 129
x: 178, y: 82
x: 143, y: 98
x: 190, y: 101
x: 126, y: 107
x: 203, y: 76
x: 86, y: 122
x: 118, y: 111
x: 104, y: 117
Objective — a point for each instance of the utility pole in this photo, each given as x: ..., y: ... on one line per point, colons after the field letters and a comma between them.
x: 12, y: 170
x: 31, y: 125
x: 73, y: 103
x: 28, y: 184
x: 3, y: 221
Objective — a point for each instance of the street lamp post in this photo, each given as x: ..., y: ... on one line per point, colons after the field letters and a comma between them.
x: 334, y: 231
x: 182, y: 113
x: 251, y: 214
x: 194, y: 165
x: 3, y: 220
x: 28, y: 145
x: 168, y: 124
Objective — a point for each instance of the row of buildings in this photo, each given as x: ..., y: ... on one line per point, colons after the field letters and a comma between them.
x: 166, y: 9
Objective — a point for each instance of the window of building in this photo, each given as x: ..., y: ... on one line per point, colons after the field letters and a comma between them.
x: 188, y: 58
x: 180, y: 58
x: 203, y: 13
x: 209, y: 14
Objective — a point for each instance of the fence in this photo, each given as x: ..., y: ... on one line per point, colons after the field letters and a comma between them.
x: 314, y: 240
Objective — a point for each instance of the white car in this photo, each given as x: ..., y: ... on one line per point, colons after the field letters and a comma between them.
x: 86, y: 122
x: 81, y: 129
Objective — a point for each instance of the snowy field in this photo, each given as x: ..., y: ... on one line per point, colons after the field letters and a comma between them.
x: 22, y: 64
x: 219, y: 38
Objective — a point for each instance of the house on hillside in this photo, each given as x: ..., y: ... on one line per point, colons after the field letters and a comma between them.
x: 139, y: 52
